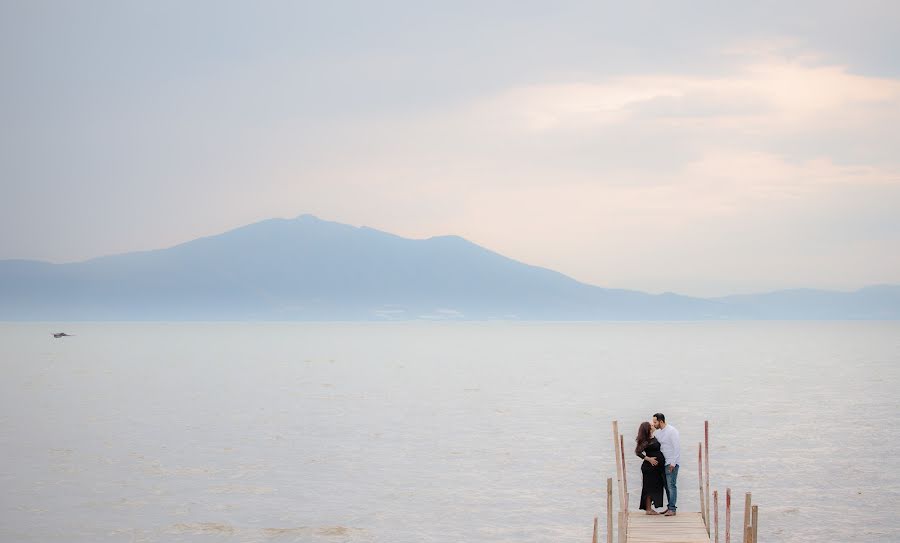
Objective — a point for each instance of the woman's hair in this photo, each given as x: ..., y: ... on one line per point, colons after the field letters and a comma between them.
x: 643, y: 437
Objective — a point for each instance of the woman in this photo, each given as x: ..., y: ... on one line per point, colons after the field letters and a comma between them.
x: 651, y: 469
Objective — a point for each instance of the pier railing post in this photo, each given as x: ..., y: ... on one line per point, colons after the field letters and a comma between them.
x: 624, y: 469
x: 609, y: 510
x: 619, y: 466
x: 755, y: 517
x: 700, y: 477
x: 706, y: 464
x: 623, y: 525
x: 727, y: 515
x: 715, y: 497
x: 594, y: 539
x: 747, y: 513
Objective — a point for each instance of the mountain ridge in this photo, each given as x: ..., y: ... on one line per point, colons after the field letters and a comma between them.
x: 307, y: 268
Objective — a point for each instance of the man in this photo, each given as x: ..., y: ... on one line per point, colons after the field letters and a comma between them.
x: 670, y: 443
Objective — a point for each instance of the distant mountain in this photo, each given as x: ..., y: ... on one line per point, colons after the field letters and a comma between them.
x: 875, y: 302
x: 310, y: 269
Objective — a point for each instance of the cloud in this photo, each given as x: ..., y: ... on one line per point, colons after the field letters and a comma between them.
x: 757, y: 95
x: 768, y: 128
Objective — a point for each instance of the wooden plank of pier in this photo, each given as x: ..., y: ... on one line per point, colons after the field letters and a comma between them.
x: 682, y: 528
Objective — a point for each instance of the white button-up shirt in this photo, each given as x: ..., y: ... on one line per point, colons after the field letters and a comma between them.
x: 670, y: 443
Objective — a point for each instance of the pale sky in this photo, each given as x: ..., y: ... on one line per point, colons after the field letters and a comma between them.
x: 705, y: 148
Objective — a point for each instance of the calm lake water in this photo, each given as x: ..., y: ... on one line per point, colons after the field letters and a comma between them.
x: 419, y: 432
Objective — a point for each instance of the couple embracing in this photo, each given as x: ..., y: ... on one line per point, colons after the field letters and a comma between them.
x: 659, y: 446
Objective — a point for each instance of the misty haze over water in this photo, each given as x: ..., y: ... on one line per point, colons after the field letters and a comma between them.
x: 412, y: 432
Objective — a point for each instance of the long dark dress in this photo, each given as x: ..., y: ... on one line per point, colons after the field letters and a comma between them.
x: 654, y: 478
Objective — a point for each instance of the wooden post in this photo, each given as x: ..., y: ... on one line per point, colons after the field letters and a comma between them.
x: 624, y: 469
x: 748, y: 534
x: 755, y: 525
x: 747, y: 512
x: 609, y: 508
x: 715, y: 497
x: 706, y: 463
x: 619, y: 466
x: 594, y: 539
x: 727, y: 515
x: 700, y: 476
x: 622, y: 525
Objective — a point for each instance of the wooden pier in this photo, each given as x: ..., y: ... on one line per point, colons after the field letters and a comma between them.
x: 686, y: 526
x: 683, y: 528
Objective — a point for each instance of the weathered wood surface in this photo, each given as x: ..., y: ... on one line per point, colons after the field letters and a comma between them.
x: 682, y: 528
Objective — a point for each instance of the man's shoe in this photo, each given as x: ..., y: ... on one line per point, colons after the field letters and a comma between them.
x: 669, y: 513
